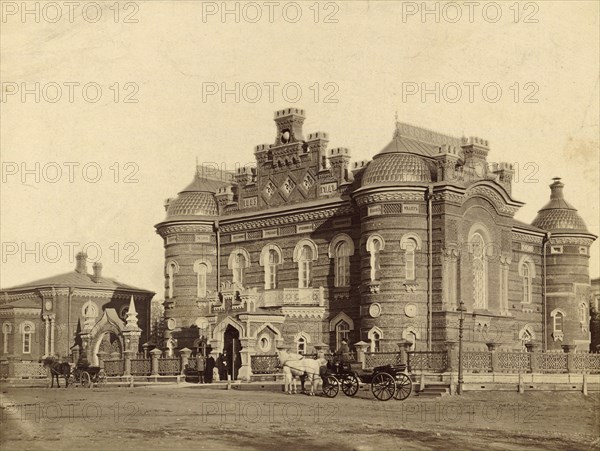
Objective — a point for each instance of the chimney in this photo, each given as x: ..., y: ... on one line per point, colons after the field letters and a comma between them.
x: 81, y: 266
x: 97, y: 267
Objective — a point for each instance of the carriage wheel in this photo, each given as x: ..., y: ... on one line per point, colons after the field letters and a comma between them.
x: 331, y: 386
x: 101, y: 378
x: 403, y: 387
x: 350, y: 385
x: 86, y: 379
x: 383, y: 386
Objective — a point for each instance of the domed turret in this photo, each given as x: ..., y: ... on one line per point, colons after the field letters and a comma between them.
x: 558, y: 214
x: 196, y: 199
x: 396, y: 163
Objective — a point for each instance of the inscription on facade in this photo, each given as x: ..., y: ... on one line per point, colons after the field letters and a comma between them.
x: 328, y: 188
x: 250, y: 202
x: 238, y: 237
x: 410, y: 208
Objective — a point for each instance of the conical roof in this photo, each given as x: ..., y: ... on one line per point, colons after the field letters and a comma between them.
x: 558, y: 214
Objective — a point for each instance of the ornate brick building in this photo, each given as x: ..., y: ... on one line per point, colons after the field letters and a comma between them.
x: 76, y: 311
x: 306, y: 248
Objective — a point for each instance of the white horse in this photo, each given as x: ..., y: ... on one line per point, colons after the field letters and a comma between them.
x: 295, y: 365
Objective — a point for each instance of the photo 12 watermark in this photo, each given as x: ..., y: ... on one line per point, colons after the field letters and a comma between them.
x: 69, y: 92
x: 270, y: 12
x: 68, y: 172
x: 270, y: 92
x: 54, y: 252
x: 470, y: 12
x: 470, y: 92
x: 236, y: 412
x: 70, y: 412
x: 69, y: 12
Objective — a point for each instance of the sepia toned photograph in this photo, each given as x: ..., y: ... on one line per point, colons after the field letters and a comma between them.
x: 299, y: 225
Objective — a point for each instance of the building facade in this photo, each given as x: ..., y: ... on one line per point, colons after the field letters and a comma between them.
x: 307, y: 248
x: 76, y: 311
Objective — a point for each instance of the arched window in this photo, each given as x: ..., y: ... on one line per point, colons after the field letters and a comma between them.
x: 410, y: 243
x: 271, y: 258
x: 342, y: 332
x: 239, y: 263
x: 375, y: 245
x: 375, y: 335
x: 27, y: 331
x: 558, y: 322
x: 172, y: 269
x: 304, y: 267
x: 410, y: 259
x: 526, y: 284
x: 583, y: 312
x: 305, y: 253
x: 6, y: 330
x: 201, y: 268
x: 239, y: 260
x: 526, y: 336
x: 375, y: 342
x: 342, y: 265
x: 341, y: 249
x: 479, y: 271
x: 301, y: 345
x: 271, y: 270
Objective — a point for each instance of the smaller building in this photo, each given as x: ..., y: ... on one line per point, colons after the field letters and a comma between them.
x: 73, y: 311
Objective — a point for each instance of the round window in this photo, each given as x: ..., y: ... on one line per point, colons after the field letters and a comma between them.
x: 264, y: 343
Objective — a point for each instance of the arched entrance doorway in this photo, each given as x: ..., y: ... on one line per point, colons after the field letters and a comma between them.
x: 232, y: 347
x: 110, y: 344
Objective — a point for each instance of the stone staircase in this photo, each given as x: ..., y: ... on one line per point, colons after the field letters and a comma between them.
x: 435, y: 390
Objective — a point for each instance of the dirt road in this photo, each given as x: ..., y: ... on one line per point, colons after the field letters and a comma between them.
x: 188, y: 416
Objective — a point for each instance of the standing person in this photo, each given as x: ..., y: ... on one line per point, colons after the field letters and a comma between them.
x: 343, y: 353
x: 220, y: 366
x: 208, y: 369
x: 200, y: 364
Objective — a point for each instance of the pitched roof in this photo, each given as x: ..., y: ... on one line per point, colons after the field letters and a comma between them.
x: 77, y: 280
x: 22, y: 303
x: 524, y: 225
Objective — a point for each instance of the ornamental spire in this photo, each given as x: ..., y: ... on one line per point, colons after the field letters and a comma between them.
x: 132, y: 321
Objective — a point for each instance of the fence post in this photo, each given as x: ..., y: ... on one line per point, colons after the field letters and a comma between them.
x: 361, y: 349
x: 127, y: 362
x: 184, y: 355
x: 155, y: 355
x: 452, y: 356
x: 533, y: 348
x: 403, y: 347
x: 495, y: 361
x: 12, y: 360
x: 570, y: 351
x: 101, y: 357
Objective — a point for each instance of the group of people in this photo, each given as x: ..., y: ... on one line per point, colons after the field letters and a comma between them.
x: 211, y: 370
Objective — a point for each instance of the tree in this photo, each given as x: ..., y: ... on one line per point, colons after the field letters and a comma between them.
x: 157, y: 322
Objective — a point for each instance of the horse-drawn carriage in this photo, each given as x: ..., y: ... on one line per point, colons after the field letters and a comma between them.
x: 87, y: 376
x: 387, y: 382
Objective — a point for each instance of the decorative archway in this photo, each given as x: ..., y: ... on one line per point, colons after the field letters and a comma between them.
x: 106, y: 333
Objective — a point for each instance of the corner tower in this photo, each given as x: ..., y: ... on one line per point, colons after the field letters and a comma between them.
x: 190, y: 239
x: 567, y: 272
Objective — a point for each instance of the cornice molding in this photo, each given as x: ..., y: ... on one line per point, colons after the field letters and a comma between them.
x: 292, y: 218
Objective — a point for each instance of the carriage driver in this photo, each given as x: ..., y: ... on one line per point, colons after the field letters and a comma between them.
x: 82, y: 362
x: 343, y: 353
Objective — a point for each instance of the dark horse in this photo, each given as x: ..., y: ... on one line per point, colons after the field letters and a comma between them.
x: 57, y: 369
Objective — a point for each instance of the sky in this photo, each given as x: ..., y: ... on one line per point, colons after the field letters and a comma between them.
x: 105, y: 111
